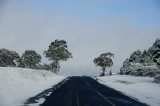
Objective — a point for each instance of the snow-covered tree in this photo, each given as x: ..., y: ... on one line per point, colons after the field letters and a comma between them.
x: 31, y: 59
x: 143, y: 63
x: 135, y: 56
x: 20, y: 63
x: 56, y: 52
x: 123, y: 70
x: 8, y: 57
x: 155, y: 51
x: 157, y: 78
x: 147, y: 58
x: 104, y: 61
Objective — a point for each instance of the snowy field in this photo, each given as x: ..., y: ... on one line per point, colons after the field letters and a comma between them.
x: 18, y: 84
x: 141, y: 88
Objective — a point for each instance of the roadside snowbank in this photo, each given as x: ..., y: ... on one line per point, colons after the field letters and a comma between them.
x: 18, y: 84
x: 141, y: 88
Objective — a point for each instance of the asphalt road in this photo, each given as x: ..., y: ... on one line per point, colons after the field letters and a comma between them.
x: 85, y: 91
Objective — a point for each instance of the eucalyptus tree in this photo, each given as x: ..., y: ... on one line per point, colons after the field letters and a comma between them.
x: 30, y: 59
x: 8, y: 57
x: 104, y: 61
x: 57, y: 52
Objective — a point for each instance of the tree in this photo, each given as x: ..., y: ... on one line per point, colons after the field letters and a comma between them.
x: 20, y: 63
x: 125, y: 68
x: 146, y: 58
x: 135, y: 56
x: 143, y: 63
x: 47, y: 67
x: 56, y: 52
x: 104, y: 61
x: 155, y: 51
x: 30, y: 58
x: 8, y: 57
x: 110, y: 73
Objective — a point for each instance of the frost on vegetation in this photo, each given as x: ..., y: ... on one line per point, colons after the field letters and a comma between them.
x: 157, y: 78
x: 146, y: 63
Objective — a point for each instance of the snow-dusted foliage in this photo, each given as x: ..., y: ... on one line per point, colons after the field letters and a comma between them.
x: 157, y: 78
x: 57, y: 51
x: 145, y: 63
x: 139, y: 69
x: 155, y: 51
x: 141, y: 57
x: 31, y: 59
x: 135, y: 56
x: 8, y: 57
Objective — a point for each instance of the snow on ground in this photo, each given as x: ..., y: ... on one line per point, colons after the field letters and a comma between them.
x: 141, y: 88
x: 19, y: 84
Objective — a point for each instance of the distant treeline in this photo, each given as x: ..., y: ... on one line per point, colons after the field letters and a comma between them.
x: 56, y: 52
x: 29, y: 59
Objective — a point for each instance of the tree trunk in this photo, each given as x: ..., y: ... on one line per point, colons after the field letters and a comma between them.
x: 103, y: 71
x: 55, y: 66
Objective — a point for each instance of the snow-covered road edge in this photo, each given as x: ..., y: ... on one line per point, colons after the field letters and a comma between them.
x: 41, y: 97
x: 19, y: 84
x: 140, y: 88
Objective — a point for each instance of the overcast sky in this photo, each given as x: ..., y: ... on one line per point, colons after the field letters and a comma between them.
x: 90, y: 28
